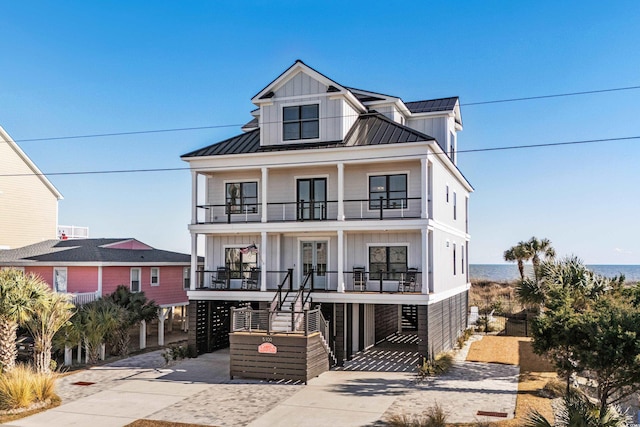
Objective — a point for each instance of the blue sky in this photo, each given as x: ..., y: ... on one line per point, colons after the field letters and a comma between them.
x: 74, y: 68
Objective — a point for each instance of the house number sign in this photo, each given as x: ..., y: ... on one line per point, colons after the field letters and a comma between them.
x: 267, y: 348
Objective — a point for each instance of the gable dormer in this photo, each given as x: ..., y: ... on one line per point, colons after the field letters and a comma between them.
x: 303, y: 106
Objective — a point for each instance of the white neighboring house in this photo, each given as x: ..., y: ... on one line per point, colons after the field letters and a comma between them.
x: 28, y: 200
x: 354, y: 194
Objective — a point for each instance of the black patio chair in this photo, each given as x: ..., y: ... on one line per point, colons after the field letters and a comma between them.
x: 253, y: 281
x: 221, y: 279
x: 408, y: 282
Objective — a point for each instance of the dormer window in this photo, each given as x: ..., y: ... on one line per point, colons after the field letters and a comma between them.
x: 300, y: 122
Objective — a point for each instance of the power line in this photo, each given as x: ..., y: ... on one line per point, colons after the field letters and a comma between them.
x: 474, y: 150
x: 528, y: 98
x: 193, y: 128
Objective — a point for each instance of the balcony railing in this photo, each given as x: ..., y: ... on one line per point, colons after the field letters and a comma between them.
x: 312, y: 210
x: 79, y: 299
x: 262, y: 321
x: 358, y: 280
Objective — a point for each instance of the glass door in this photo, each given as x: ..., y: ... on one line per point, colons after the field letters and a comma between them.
x: 312, y: 199
x: 314, y: 256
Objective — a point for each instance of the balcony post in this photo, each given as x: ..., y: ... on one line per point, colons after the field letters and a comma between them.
x: 265, y: 179
x: 341, y: 252
x: 194, y: 197
x: 193, y: 278
x: 424, y: 197
x: 263, y: 261
x: 340, y: 191
x: 424, y: 261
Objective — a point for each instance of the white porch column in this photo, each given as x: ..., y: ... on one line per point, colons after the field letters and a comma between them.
x: 265, y: 179
x: 194, y: 263
x: 99, y: 280
x: 263, y: 261
x: 143, y: 335
x: 424, y: 260
x: 170, y: 319
x: 194, y: 197
x: 162, y: 315
x: 68, y: 356
x: 340, y: 191
x: 424, y: 190
x: 103, y: 351
x: 341, y: 253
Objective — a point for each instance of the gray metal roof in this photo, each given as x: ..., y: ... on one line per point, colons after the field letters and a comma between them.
x: 89, y: 250
x: 430, y: 105
x: 370, y: 129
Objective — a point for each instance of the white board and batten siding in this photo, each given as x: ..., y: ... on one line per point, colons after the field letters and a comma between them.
x: 437, y: 127
x: 336, y: 115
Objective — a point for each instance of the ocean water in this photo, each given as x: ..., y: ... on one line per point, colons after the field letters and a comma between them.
x: 509, y: 272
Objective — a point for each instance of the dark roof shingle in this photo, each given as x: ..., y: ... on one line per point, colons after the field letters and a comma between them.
x: 89, y: 250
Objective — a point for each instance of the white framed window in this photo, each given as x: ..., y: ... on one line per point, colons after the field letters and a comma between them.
x: 240, y: 261
x: 447, y: 193
x: 455, y: 206
x: 452, y: 146
x: 390, y: 190
x: 155, y: 276
x: 241, y: 197
x: 186, y: 277
x: 301, y: 122
x: 462, y: 259
x: 454, y: 259
x: 135, y: 280
x: 388, y: 261
x: 60, y: 279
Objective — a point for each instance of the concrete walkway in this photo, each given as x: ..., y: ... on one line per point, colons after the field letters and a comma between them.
x: 199, y: 391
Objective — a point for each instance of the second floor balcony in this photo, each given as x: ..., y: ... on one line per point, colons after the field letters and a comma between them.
x: 311, y: 210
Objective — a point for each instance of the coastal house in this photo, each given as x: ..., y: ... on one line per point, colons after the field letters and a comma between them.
x: 28, y: 200
x: 91, y: 268
x: 339, y: 211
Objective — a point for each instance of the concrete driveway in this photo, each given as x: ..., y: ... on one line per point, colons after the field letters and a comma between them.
x: 199, y: 391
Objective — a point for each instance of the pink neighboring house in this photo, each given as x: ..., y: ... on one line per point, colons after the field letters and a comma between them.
x: 90, y: 268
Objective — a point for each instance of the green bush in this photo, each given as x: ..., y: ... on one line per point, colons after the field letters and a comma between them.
x: 176, y: 352
x: 464, y: 337
x: 434, y: 365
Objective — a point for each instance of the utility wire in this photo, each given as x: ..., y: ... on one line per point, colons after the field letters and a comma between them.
x: 152, y: 131
x: 474, y: 150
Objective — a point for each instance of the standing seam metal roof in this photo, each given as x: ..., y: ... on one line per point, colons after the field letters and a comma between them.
x: 370, y: 129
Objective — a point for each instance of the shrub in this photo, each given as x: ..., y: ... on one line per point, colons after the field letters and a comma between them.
x: 434, y: 416
x: 22, y: 386
x: 553, y: 389
x: 434, y: 365
x: 176, y: 352
x: 464, y: 336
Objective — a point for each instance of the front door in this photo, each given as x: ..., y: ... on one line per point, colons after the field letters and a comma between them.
x: 312, y: 199
x: 314, y: 256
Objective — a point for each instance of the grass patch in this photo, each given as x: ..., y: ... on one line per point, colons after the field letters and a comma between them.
x: 157, y: 423
x: 433, y: 416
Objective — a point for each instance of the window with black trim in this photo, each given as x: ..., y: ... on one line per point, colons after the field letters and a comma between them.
x: 388, y: 261
x: 390, y: 190
x: 242, y: 197
x: 240, y: 261
x: 300, y: 122
x: 454, y: 259
x: 455, y: 206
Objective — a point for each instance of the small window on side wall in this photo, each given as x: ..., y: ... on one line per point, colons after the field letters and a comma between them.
x: 186, y: 278
x: 60, y: 279
x: 135, y: 280
x: 155, y: 276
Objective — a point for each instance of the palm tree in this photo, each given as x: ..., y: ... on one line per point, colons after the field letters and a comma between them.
x: 518, y: 253
x: 52, y: 313
x: 539, y: 247
x: 95, y: 322
x: 138, y: 308
x: 19, y: 295
x: 577, y: 410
